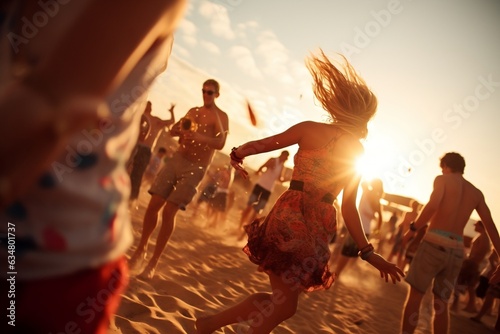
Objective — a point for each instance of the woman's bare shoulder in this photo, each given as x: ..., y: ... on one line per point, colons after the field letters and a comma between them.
x: 319, y: 134
x: 350, y: 142
x: 315, y: 134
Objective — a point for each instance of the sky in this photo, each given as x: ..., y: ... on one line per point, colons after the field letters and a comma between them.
x: 434, y: 66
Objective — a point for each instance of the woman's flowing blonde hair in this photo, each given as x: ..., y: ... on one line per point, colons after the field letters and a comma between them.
x: 343, y: 94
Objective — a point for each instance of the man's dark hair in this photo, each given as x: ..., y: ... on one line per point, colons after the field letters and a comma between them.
x: 453, y: 161
x: 212, y: 82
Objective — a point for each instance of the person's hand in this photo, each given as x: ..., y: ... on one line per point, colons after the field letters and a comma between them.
x: 237, y: 164
x: 386, y: 268
x: 495, y: 278
x: 239, y: 168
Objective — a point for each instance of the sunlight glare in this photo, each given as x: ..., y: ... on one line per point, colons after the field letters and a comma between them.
x: 377, y: 159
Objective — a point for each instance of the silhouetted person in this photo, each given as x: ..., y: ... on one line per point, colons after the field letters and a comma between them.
x: 439, y: 257
x: 291, y: 244
x: 150, y: 129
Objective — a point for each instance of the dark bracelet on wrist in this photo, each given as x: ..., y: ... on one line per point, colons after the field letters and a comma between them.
x: 366, y: 255
x: 366, y: 251
x: 234, y: 157
x: 366, y: 248
x: 413, y: 228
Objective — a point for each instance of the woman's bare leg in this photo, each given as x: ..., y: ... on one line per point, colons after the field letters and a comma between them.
x: 264, y: 311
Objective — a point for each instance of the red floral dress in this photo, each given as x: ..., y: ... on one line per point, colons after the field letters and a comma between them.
x: 292, y: 241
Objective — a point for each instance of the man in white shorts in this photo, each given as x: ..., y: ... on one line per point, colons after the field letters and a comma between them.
x: 262, y: 190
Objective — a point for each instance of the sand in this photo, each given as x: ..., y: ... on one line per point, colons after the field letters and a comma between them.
x: 204, y: 270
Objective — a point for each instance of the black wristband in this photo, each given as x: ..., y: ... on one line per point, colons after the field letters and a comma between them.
x: 364, y: 256
x: 234, y: 157
x: 366, y: 251
x: 413, y: 228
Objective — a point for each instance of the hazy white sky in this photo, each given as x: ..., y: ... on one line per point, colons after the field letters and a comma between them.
x: 434, y: 65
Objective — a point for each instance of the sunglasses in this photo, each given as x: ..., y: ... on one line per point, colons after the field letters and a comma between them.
x: 208, y: 92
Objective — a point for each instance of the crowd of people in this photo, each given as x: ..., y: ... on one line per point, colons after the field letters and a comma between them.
x: 76, y: 168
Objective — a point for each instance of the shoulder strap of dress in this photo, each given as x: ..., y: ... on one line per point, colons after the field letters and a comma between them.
x: 335, y: 138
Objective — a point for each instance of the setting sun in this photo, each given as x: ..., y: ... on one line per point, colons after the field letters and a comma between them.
x: 377, y: 158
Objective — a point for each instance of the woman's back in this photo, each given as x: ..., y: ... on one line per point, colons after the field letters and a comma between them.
x: 326, y: 157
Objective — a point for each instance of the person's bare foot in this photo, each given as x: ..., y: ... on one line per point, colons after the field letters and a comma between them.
x: 148, y: 273
x: 137, y: 259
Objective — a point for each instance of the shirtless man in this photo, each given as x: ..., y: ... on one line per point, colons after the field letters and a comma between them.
x: 468, y: 277
x: 150, y: 129
x: 440, y: 255
x: 202, y: 131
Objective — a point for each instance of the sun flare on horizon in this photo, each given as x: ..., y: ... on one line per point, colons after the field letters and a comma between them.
x: 377, y: 158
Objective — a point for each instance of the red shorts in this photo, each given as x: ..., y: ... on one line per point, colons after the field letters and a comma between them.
x: 83, y: 302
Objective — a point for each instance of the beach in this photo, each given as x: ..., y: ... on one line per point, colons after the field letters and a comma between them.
x: 204, y: 270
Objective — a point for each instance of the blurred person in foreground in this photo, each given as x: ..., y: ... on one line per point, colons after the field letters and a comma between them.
x: 439, y: 257
x: 291, y: 244
x: 71, y: 97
